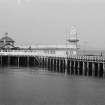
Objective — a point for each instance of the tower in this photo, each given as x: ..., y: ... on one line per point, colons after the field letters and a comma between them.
x: 72, y: 42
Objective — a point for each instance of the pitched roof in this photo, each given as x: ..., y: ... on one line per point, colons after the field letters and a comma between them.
x: 6, y: 39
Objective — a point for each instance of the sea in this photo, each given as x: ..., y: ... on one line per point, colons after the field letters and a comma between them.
x: 38, y: 86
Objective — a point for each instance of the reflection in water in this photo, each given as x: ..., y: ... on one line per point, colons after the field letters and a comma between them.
x: 33, y: 86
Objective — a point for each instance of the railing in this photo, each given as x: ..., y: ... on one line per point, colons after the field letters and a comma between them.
x: 30, y: 53
x: 38, y: 53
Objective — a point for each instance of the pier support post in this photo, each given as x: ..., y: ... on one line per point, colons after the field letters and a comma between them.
x: 8, y: 60
x: 66, y: 66
x: 57, y: 69
x: 1, y: 60
x: 80, y: 68
x: 18, y: 61
x: 90, y: 68
x: 93, y: 69
x: 48, y: 63
x: 103, y: 70
x: 96, y: 69
x: 76, y: 67
x: 72, y: 67
x: 100, y: 70
x: 59, y: 65
x: 85, y: 68
x: 54, y: 64
x: 28, y: 64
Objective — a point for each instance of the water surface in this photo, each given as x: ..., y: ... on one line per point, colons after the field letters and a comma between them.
x: 33, y: 86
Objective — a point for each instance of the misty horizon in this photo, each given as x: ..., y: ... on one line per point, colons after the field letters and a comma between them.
x: 31, y: 22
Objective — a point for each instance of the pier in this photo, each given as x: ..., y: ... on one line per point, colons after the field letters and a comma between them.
x: 73, y: 65
x: 53, y: 58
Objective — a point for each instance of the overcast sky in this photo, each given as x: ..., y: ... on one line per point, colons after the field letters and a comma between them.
x: 47, y: 21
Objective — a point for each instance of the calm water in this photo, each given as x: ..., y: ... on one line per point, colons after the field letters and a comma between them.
x: 26, y: 86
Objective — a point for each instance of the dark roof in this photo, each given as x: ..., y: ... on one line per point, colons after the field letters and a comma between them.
x: 73, y: 40
x: 6, y: 39
x: 8, y: 46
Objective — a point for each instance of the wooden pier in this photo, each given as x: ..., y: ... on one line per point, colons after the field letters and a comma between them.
x: 73, y: 65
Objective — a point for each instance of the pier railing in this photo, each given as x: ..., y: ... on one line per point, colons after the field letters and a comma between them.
x: 36, y: 53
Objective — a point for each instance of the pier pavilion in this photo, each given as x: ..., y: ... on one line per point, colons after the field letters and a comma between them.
x: 7, y: 43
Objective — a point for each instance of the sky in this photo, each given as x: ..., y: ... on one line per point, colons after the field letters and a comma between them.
x: 31, y: 22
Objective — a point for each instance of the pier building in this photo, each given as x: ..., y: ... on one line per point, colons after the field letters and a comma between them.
x: 7, y: 43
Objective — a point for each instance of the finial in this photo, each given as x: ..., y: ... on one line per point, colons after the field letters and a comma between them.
x: 6, y: 33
